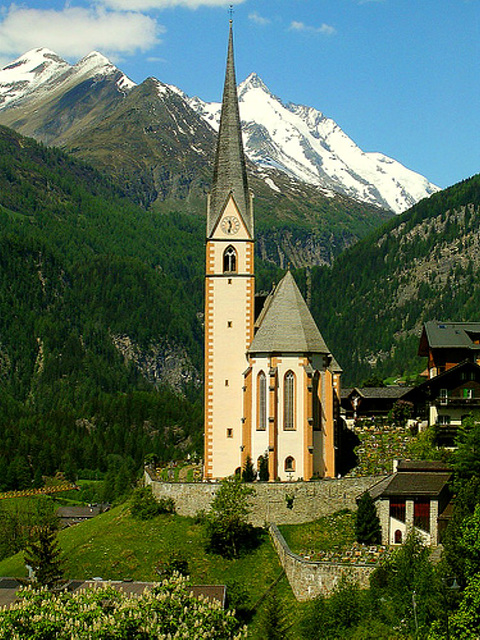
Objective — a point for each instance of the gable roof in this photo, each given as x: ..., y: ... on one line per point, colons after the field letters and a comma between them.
x: 452, y: 335
x: 420, y: 483
x: 445, y: 379
x: 393, y: 392
x: 286, y: 324
x: 230, y: 172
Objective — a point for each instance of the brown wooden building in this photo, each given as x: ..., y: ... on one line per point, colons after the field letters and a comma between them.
x: 446, y: 344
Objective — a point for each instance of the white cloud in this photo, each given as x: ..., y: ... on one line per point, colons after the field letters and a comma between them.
x: 74, y: 31
x: 258, y: 19
x: 324, y: 29
x: 145, y: 5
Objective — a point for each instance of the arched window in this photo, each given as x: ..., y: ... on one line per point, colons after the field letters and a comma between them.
x: 262, y: 401
x: 289, y: 401
x: 229, y: 259
x: 289, y: 464
x: 398, y: 536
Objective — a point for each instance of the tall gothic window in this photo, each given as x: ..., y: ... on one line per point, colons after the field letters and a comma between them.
x: 262, y: 401
x: 289, y: 401
x: 229, y: 259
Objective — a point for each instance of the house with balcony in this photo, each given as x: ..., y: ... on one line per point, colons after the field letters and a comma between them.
x: 446, y: 399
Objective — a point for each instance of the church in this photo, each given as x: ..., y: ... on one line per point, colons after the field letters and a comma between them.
x: 272, y: 387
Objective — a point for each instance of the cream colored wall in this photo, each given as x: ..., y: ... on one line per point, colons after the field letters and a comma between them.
x: 228, y: 330
x: 259, y: 439
x: 289, y: 443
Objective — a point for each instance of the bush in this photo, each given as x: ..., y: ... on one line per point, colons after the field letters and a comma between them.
x: 145, y: 506
x: 168, y: 610
x: 227, y: 527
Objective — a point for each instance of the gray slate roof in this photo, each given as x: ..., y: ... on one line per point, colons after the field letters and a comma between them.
x: 452, y: 334
x: 286, y: 324
x: 230, y: 172
x: 418, y: 483
x: 392, y: 392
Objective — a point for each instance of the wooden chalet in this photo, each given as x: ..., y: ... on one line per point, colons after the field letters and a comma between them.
x: 446, y: 344
x: 444, y: 400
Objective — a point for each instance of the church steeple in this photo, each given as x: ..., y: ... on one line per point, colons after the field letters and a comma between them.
x: 230, y: 173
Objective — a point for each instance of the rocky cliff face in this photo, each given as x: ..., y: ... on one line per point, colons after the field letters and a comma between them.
x: 161, y: 363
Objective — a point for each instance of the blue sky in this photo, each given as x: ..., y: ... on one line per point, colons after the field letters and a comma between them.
x: 399, y: 76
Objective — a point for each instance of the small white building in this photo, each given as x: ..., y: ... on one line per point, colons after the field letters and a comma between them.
x: 416, y: 496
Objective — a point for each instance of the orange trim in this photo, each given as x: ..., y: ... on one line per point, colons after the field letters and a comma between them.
x: 307, y: 427
x: 208, y: 410
x: 247, y: 425
x: 329, y: 448
x: 273, y: 426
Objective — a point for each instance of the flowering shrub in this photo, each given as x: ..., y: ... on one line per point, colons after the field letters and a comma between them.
x: 167, y: 611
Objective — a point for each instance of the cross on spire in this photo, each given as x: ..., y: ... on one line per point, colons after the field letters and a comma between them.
x: 231, y: 12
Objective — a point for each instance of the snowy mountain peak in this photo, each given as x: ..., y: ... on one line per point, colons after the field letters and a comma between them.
x: 28, y: 73
x: 252, y: 82
x: 39, y: 70
x: 96, y: 64
x: 306, y: 145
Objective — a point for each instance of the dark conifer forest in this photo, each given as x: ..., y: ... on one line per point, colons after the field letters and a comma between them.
x: 95, y: 291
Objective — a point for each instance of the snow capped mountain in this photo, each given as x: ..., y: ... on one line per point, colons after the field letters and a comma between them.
x: 310, y: 147
x: 44, y: 96
x: 40, y: 71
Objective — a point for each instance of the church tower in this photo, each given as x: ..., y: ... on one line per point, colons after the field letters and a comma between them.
x: 229, y: 289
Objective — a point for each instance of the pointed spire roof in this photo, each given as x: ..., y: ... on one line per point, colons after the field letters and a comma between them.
x: 286, y: 324
x: 230, y: 172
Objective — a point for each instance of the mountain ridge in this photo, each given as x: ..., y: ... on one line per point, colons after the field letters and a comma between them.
x: 309, y: 148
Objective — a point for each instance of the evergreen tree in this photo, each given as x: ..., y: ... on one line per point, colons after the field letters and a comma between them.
x: 263, y: 472
x: 42, y: 554
x: 367, y: 523
x: 248, y: 473
x: 274, y: 622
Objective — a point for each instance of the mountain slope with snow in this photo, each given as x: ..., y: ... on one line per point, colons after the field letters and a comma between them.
x: 43, y: 96
x: 40, y: 70
x: 310, y: 147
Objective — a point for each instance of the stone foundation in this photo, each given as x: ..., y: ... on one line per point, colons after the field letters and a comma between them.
x: 274, y: 502
x: 309, y: 579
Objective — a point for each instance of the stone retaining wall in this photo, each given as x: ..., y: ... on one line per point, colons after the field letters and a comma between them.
x: 274, y: 502
x: 309, y: 579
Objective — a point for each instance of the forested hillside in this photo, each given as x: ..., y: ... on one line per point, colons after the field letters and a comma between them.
x: 98, y: 302
x: 421, y: 266
x: 101, y: 310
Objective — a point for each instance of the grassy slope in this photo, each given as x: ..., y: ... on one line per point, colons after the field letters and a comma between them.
x: 335, y: 531
x: 115, y: 546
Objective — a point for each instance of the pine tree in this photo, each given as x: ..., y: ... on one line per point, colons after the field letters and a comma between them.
x: 42, y: 554
x: 248, y: 473
x: 263, y: 472
x: 274, y: 622
x: 367, y: 523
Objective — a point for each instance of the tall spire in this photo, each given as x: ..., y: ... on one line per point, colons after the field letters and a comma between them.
x: 230, y: 173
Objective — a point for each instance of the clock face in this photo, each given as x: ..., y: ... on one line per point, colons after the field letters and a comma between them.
x: 230, y: 225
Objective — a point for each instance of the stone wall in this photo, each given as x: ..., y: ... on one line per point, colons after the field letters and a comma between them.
x: 309, y: 579
x: 274, y: 502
